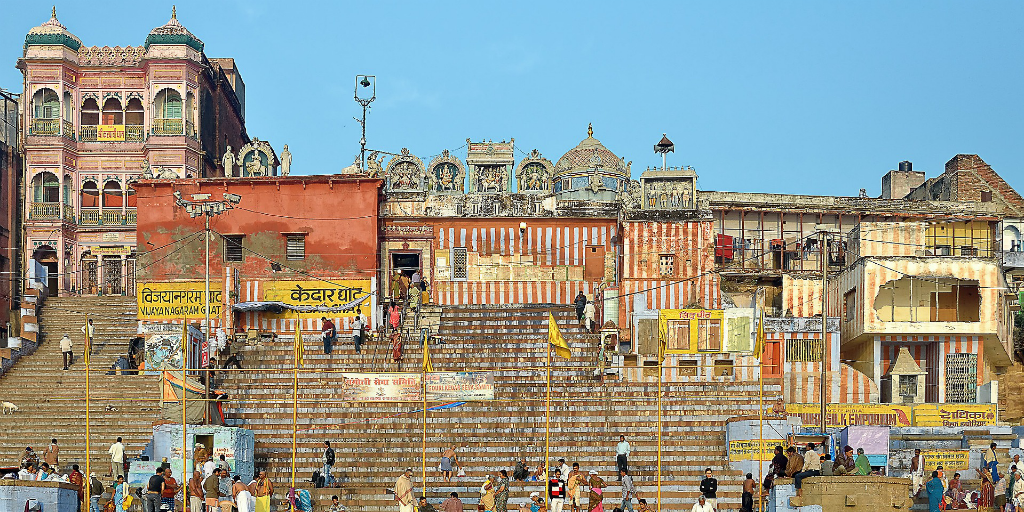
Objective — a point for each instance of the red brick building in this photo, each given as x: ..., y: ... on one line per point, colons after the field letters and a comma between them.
x: 305, y: 241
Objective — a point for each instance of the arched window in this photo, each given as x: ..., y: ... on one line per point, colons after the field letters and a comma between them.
x: 112, y: 195
x: 168, y: 104
x: 45, y: 104
x: 90, y: 195
x: 112, y: 112
x: 90, y: 112
x: 134, y: 114
x: 67, y: 189
x: 190, y: 115
x: 46, y: 188
x: 130, y: 197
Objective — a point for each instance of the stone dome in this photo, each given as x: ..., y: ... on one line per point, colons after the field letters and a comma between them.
x: 173, y: 32
x: 52, y: 32
x: 588, y: 154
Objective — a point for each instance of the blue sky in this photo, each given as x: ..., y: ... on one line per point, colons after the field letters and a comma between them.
x: 791, y: 97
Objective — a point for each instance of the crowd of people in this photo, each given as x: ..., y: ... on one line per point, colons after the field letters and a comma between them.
x: 997, y: 491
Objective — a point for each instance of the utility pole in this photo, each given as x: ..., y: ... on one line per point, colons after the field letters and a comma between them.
x: 825, y: 348
x: 201, y: 204
x: 366, y: 82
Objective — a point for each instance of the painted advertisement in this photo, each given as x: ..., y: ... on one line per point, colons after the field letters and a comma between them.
x: 844, y: 415
x: 748, y: 449
x: 954, y: 415
x: 163, y: 352
x: 382, y: 387
x: 950, y: 460
x: 178, y: 300
x: 344, y: 294
x: 460, y: 386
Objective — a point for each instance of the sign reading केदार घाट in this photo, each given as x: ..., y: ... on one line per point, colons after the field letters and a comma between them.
x: 326, y: 294
x: 382, y: 387
x: 844, y: 415
x: 950, y: 460
x: 459, y: 386
x: 748, y: 450
x: 954, y: 415
x: 178, y: 300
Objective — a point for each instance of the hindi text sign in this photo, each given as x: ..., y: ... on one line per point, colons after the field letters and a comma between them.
x: 177, y: 300
x: 460, y: 386
x: 382, y: 387
x: 333, y: 294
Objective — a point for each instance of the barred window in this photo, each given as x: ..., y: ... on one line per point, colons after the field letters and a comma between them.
x: 668, y: 265
x: 803, y: 351
x: 459, y: 258
x: 233, y: 248
x: 296, y: 246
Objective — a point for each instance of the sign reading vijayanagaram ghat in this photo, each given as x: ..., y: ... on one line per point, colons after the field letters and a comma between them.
x: 178, y: 300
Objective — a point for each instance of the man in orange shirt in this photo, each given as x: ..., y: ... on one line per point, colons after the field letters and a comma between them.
x: 170, y: 488
x: 77, y: 479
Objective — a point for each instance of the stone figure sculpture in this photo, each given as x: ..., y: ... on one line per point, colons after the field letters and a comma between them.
x: 147, y: 170
x: 373, y: 165
x: 286, y: 161
x: 229, y: 162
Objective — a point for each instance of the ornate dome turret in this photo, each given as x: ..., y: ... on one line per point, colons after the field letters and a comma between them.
x: 588, y: 154
x: 173, y: 32
x: 52, y: 32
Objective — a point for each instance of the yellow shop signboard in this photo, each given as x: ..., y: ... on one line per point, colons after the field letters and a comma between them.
x: 843, y: 415
x: 748, y: 450
x: 954, y: 415
x: 177, y: 300
x: 342, y: 295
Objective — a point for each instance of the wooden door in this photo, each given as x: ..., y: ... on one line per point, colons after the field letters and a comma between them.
x: 772, y: 360
x: 593, y: 263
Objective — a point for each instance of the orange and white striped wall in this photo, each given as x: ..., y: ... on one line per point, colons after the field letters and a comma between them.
x: 930, y: 352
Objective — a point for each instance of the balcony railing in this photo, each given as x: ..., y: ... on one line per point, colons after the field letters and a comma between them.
x: 95, y: 217
x: 69, y: 129
x: 134, y: 133
x: 45, y: 211
x: 89, y: 217
x: 190, y: 130
x: 69, y: 213
x: 131, y: 133
x: 168, y: 127
x: 47, y: 127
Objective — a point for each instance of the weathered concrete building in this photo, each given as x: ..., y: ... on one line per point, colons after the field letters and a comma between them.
x: 10, y: 173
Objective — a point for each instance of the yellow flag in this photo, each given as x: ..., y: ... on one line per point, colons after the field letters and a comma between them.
x: 555, y: 338
x: 299, y: 346
x: 759, y: 348
x: 427, y: 367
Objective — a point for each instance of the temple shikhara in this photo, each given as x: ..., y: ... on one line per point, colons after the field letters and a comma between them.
x: 517, y: 305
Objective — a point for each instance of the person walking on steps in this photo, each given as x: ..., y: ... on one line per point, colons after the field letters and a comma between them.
x: 116, y: 452
x: 90, y: 333
x: 329, y: 333
x: 622, y: 454
x: 357, y: 330
x: 580, y: 302
x: 65, y: 350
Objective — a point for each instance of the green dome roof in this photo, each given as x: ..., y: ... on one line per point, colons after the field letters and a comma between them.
x: 52, y: 32
x: 173, y: 32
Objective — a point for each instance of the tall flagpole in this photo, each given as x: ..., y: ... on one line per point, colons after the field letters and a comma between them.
x: 547, y: 416
x: 299, y: 345
x: 661, y: 357
x: 424, y: 389
x: 88, y: 471
x: 184, y: 421
x: 760, y: 409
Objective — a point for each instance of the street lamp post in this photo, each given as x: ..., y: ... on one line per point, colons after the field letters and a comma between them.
x: 201, y: 204
x: 365, y: 82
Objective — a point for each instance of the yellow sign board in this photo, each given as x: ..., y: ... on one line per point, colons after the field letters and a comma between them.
x: 176, y: 300
x: 843, y: 415
x: 747, y: 450
x: 950, y: 460
x: 110, y: 132
x: 954, y: 415
x: 116, y: 250
x: 345, y: 294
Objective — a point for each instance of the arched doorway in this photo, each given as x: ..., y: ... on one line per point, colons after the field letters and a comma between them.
x: 90, y: 274
x: 47, y: 257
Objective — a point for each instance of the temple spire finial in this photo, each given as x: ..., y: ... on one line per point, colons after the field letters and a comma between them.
x: 174, y: 12
x: 53, y: 12
x: 590, y: 129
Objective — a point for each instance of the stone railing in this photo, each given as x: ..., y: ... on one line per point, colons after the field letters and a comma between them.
x: 134, y: 133
x: 112, y: 218
x: 45, y: 127
x: 168, y: 127
x: 45, y: 211
x: 89, y: 217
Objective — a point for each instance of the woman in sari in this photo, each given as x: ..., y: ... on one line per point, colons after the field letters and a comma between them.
x: 987, y: 495
x: 956, y: 494
x: 596, y: 494
x: 501, y: 493
x: 120, y: 491
x: 487, y: 494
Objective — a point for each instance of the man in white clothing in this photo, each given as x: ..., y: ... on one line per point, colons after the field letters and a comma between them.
x: 622, y: 454
x: 116, y: 452
x: 702, y: 505
x: 208, y: 467
x: 65, y: 349
x: 564, y: 468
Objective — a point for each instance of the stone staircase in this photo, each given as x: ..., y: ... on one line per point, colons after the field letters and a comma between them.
x: 375, y: 442
x: 51, y: 401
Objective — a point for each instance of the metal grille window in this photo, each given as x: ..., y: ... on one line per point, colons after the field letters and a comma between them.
x: 908, y: 387
x: 296, y: 246
x: 233, y: 247
x: 803, y: 351
x: 459, y: 258
x: 668, y: 265
x: 961, y: 378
